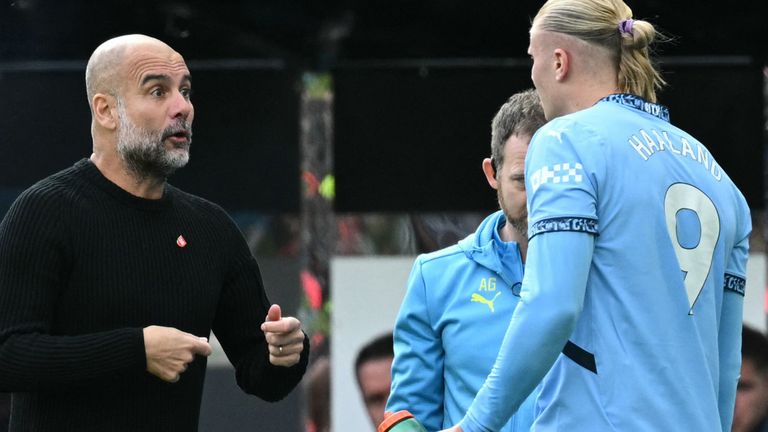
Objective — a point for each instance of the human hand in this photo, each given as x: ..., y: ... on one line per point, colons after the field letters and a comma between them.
x: 285, y: 340
x: 170, y: 350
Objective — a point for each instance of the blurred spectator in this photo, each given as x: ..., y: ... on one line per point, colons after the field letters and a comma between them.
x: 751, y: 414
x: 318, y: 391
x: 373, y: 371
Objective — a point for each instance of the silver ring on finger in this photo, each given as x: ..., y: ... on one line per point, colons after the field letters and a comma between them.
x: 280, y: 349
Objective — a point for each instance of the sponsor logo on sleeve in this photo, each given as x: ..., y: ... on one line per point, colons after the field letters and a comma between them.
x: 734, y: 283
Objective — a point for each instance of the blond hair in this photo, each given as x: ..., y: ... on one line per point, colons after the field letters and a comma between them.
x: 598, y: 22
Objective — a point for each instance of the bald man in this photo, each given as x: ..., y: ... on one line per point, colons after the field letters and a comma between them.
x: 111, y: 279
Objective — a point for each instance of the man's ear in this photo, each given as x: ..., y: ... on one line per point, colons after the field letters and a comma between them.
x: 104, y: 107
x: 561, y: 64
x: 490, y: 173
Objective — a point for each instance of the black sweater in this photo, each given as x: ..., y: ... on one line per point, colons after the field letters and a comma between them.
x: 84, y: 267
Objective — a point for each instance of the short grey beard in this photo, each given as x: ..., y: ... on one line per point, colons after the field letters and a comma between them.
x: 143, y: 150
x: 520, y: 225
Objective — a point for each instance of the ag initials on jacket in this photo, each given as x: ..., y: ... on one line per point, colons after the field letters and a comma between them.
x: 486, y: 285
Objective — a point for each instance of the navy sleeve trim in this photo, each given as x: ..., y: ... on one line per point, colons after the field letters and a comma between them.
x: 734, y: 283
x: 578, y: 224
x: 580, y: 356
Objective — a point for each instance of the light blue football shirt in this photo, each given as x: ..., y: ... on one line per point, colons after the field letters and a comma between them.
x: 637, y: 266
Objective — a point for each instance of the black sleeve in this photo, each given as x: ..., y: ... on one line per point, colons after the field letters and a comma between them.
x: 242, y: 309
x: 34, y: 256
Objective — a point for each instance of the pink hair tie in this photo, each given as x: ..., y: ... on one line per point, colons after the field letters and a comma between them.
x: 625, y: 26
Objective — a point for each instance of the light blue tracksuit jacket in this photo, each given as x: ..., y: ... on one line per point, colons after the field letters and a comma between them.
x: 450, y: 326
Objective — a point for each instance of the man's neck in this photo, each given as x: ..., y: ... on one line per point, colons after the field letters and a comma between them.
x: 115, y: 171
x: 509, y: 233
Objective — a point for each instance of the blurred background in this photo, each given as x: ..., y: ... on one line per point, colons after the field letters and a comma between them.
x: 346, y: 136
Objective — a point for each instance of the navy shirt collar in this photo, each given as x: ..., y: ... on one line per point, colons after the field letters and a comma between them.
x: 638, y: 103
